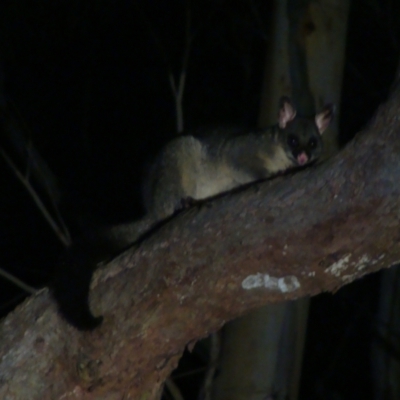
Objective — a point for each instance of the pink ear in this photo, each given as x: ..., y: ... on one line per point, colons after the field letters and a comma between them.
x: 286, y: 112
x: 324, y: 118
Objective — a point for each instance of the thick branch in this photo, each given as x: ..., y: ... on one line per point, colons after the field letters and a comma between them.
x: 297, y: 235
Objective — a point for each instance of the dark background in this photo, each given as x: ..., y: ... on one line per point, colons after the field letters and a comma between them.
x: 90, y: 82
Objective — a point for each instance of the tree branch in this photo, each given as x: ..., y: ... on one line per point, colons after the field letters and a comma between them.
x: 17, y: 282
x: 283, y: 239
x: 60, y: 229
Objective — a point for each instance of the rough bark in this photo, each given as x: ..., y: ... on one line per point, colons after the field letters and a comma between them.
x: 296, y: 235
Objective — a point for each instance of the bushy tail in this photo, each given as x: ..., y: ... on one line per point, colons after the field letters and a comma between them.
x: 71, y: 284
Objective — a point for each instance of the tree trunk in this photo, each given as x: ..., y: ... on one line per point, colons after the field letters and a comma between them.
x: 282, y: 239
x: 385, y: 349
x: 262, y: 353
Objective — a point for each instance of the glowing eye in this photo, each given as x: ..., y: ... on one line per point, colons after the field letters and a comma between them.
x: 293, y: 142
x: 312, y: 143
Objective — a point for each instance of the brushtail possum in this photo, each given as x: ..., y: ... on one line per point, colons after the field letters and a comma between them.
x: 195, y: 167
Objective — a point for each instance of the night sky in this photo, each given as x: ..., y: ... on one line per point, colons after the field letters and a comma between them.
x: 88, y: 81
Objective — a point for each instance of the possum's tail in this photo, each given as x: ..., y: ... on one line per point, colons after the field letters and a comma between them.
x: 71, y: 284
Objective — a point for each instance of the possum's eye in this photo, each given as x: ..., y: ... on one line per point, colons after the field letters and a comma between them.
x: 312, y: 143
x: 293, y: 142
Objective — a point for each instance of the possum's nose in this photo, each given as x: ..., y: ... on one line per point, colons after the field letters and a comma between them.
x: 302, y: 158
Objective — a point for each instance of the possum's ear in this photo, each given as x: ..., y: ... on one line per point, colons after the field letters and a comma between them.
x: 324, y: 118
x: 287, y: 112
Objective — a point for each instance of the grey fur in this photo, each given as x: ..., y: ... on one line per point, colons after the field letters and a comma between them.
x: 200, y: 167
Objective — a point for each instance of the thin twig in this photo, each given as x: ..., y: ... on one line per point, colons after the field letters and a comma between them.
x: 212, y: 366
x: 179, y: 90
x: 177, y: 85
x: 50, y: 193
x: 17, y: 282
x: 63, y: 238
x: 191, y: 372
x: 173, y: 389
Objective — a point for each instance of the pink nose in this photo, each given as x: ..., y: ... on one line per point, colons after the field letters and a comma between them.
x: 302, y: 158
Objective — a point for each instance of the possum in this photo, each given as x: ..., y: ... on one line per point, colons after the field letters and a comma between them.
x: 193, y: 166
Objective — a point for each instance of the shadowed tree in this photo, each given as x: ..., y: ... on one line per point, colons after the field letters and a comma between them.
x: 298, y: 235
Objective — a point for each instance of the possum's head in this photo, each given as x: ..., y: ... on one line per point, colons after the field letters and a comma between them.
x: 301, y: 137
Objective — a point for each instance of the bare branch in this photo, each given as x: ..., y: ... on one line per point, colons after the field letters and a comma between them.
x: 178, y: 90
x: 212, y: 366
x: 62, y: 235
x: 18, y: 133
x: 173, y: 389
x: 177, y: 84
x: 17, y: 282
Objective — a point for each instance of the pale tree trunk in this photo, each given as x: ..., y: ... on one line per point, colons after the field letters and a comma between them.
x: 316, y: 57
x: 385, y: 350
x: 324, y: 33
x: 261, y: 356
x: 262, y: 352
